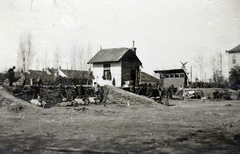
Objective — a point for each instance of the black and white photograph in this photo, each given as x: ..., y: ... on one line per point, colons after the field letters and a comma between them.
x: 119, y: 76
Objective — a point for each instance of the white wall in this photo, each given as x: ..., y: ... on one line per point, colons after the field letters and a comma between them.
x: 115, y: 69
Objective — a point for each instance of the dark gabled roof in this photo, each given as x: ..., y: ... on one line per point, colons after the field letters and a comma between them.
x: 36, y: 72
x: 148, y: 78
x: 76, y: 74
x: 109, y: 55
x: 234, y: 50
x: 170, y: 71
x: 51, y: 70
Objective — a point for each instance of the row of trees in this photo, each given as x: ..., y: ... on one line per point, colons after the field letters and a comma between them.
x: 79, y: 58
x: 26, y: 54
x: 217, y: 80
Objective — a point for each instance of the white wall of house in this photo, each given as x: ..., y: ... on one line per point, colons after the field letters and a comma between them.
x: 230, y: 60
x: 115, y: 69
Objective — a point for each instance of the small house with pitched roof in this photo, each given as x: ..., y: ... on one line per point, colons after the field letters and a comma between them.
x: 115, y: 66
x: 233, y: 57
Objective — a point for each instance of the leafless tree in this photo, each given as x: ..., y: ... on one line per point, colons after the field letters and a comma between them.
x: 26, y: 53
x: 79, y: 57
x: 215, y: 64
x: 45, y: 59
x: 88, y: 56
x: 199, y: 60
x: 73, y: 57
x: 57, y: 56
x: 84, y: 57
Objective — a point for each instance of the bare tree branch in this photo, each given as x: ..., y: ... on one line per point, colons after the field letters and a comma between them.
x: 26, y: 52
x: 31, y: 5
x: 199, y: 60
x: 57, y: 56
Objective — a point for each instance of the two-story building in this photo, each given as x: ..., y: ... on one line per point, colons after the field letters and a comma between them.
x: 116, y: 66
x: 233, y: 57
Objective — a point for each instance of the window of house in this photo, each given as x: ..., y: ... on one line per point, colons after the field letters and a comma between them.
x: 106, y: 72
x: 166, y: 75
x: 234, y: 60
x: 182, y: 75
x: 177, y: 75
x: 171, y: 75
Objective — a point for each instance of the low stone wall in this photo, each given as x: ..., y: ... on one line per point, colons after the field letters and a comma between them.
x: 120, y: 96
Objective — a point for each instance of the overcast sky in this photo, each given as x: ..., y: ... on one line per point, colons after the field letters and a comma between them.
x: 165, y: 32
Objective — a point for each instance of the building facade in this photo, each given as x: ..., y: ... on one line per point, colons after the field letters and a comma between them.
x: 233, y: 57
x: 115, y: 66
x: 175, y: 77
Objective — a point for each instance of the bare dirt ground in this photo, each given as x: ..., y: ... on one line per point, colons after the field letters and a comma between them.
x: 183, y: 127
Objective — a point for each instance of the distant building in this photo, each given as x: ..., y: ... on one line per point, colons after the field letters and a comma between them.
x: 175, y: 77
x: 43, y: 74
x: 233, y: 57
x: 76, y: 76
x: 116, y: 65
x: 54, y: 76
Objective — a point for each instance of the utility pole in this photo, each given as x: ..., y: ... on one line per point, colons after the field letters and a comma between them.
x: 220, y: 64
x: 191, y: 74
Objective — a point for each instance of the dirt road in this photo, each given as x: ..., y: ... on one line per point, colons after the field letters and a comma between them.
x: 183, y: 127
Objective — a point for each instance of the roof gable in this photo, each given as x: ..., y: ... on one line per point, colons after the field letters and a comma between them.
x: 131, y: 56
x: 109, y: 55
x: 234, y: 50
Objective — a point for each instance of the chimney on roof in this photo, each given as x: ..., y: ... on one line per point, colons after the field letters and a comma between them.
x: 133, y: 48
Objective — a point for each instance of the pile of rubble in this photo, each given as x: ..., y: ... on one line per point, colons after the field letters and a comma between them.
x: 70, y: 95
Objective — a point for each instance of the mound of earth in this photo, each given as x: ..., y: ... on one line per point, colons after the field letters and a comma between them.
x: 120, y: 96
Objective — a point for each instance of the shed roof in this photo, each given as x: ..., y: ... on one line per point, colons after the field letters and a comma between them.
x: 234, y: 50
x: 109, y: 55
x: 145, y: 77
x: 76, y: 73
x: 170, y: 71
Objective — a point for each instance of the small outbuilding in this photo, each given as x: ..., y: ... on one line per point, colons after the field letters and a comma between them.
x: 116, y: 66
x: 175, y: 77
